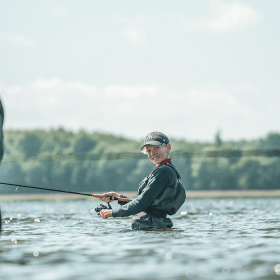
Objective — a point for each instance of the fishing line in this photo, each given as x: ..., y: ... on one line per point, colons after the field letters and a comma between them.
x: 62, y: 191
x: 46, y: 189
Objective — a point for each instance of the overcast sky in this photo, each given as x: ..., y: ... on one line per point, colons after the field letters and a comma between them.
x: 184, y: 67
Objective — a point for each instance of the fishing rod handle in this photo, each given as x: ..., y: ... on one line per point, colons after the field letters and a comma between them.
x: 119, y: 198
x: 123, y: 199
x: 112, y: 197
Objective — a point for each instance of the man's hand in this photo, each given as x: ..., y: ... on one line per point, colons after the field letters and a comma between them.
x: 105, y: 213
x: 105, y: 196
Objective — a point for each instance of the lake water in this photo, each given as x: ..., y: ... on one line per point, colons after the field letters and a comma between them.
x: 213, y: 239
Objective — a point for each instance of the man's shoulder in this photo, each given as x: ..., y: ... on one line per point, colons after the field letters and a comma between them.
x: 167, y: 169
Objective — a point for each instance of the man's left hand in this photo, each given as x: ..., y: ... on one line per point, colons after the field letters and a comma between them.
x: 105, y: 213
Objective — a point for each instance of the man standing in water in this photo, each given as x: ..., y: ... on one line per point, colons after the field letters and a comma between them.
x: 160, y: 194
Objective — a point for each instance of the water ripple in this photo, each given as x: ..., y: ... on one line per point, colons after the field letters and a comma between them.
x: 211, y: 239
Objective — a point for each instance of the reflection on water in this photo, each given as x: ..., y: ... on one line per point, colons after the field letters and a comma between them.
x: 212, y: 239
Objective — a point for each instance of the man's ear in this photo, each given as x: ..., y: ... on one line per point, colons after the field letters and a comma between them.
x: 168, y: 146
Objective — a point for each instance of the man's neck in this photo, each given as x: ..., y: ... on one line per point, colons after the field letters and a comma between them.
x: 167, y: 160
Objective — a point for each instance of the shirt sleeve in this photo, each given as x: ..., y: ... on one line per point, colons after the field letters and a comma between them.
x: 157, y: 182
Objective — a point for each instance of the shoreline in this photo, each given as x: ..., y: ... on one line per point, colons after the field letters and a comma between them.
x: 190, y: 195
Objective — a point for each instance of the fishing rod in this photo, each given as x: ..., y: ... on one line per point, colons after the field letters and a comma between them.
x: 97, y: 209
x: 122, y: 199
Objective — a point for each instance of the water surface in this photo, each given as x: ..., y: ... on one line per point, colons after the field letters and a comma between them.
x: 212, y: 239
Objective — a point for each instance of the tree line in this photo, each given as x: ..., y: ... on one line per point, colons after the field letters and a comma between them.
x: 78, y: 161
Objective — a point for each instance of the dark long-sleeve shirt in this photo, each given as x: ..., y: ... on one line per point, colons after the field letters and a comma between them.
x: 161, y: 178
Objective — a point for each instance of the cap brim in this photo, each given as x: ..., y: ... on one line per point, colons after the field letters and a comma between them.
x: 154, y: 143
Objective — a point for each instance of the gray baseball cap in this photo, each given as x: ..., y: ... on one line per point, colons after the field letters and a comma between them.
x: 156, y: 139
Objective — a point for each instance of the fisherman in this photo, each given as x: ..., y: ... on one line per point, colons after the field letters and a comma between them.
x: 160, y: 194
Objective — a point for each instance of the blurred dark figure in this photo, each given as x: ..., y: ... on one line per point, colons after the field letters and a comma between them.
x: 1, y: 130
x: 1, y: 145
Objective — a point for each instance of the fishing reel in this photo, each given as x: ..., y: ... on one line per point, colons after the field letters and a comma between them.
x: 101, y: 207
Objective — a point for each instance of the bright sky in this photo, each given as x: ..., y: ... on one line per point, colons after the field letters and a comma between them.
x: 183, y: 67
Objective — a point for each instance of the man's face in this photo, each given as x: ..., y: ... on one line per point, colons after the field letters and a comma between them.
x: 157, y: 154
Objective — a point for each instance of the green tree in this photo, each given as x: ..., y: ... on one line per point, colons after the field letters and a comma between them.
x: 11, y: 173
x: 272, y: 141
x: 62, y: 177
x: 253, y: 175
x: 213, y: 176
x: 218, y: 140
x: 30, y: 145
x: 84, y: 145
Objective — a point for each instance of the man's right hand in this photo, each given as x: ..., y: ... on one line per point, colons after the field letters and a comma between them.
x: 105, y: 196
